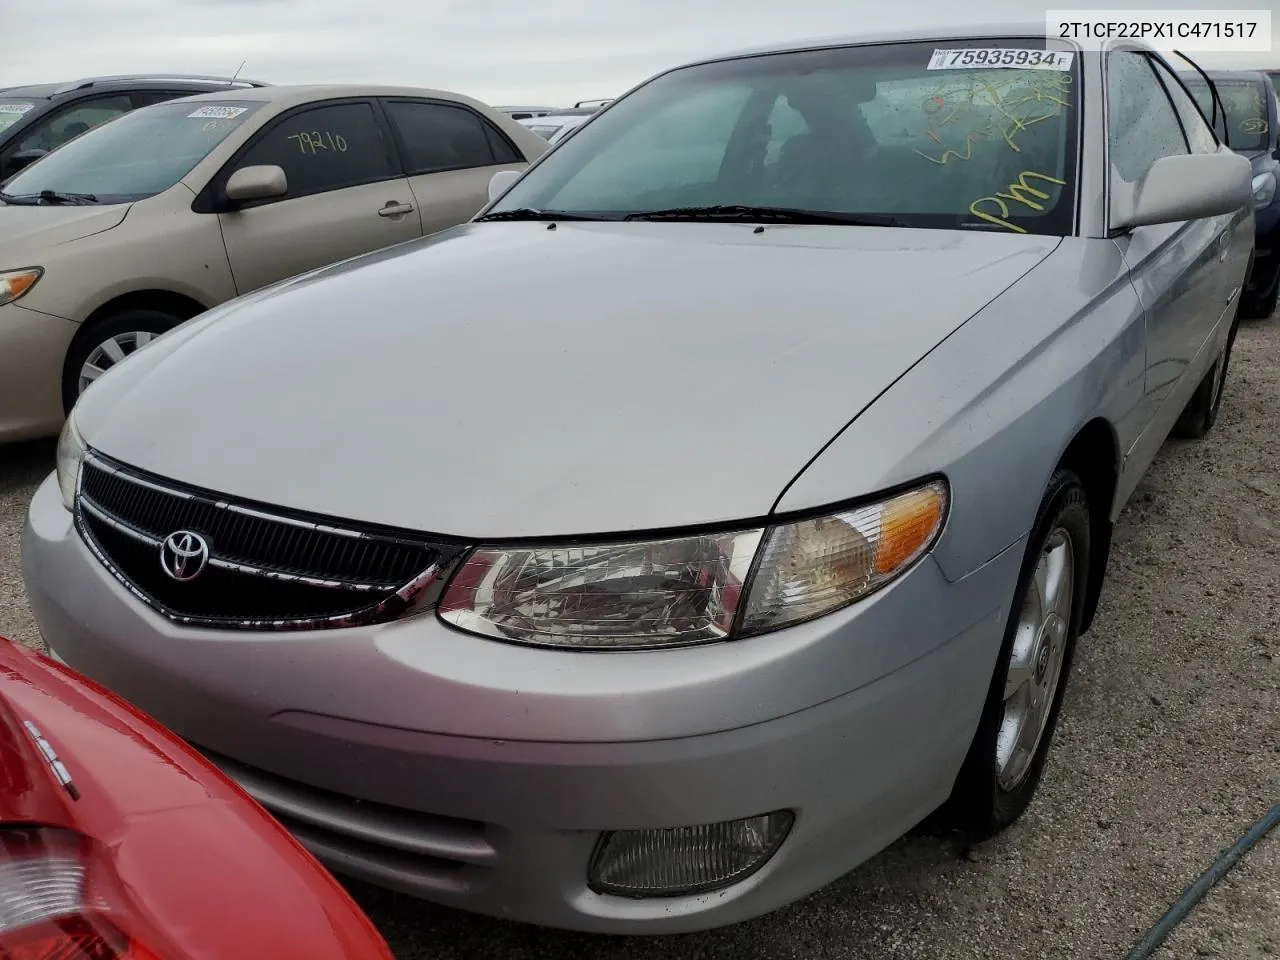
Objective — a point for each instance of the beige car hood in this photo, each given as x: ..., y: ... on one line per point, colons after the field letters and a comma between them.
x: 26, y: 231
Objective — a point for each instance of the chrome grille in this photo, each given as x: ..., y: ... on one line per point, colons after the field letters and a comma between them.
x: 267, y: 568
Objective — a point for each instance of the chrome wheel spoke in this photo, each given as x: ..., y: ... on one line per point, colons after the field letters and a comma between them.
x: 1020, y: 674
x: 113, y: 349
x: 1040, y: 590
x: 91, y: 373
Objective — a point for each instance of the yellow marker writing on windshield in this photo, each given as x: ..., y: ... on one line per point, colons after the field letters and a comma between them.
x: 1018, y: 192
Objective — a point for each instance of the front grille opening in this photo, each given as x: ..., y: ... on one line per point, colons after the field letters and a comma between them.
x: 267, y: 567
x: 220, y: 596
x: 363, y: 850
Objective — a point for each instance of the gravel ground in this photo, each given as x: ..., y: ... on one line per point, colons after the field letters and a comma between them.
x: 1168, y: 749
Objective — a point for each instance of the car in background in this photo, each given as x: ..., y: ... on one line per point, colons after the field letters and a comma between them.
x: 525, y: 113
x: 658, y: 607
x: 1248, y: 120
x: 554, y: 123
x: 140, y: 224
x: 37, y: 119
x: 117, y: 840
x: 567, y: 130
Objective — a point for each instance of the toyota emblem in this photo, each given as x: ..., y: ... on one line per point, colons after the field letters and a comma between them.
x: 184, y: 555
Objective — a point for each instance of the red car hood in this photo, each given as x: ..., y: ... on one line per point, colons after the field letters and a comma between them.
x: 189, y: 848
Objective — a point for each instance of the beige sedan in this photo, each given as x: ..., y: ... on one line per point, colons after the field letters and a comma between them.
x: 151, y: 219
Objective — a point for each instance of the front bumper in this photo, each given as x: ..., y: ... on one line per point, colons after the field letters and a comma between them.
x: 480, y: 774
x: 33, y: 347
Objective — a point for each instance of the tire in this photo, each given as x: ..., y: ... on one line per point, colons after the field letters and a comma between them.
x: 127, y: 331
x: 1260, y: 306
x: 1000, y: 775
x: 1201, y: 412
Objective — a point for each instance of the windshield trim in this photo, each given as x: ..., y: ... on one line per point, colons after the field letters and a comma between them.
x: 1074, y: 155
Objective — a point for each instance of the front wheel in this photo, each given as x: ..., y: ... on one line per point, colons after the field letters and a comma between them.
x: 101, y: 344
x: 1006, y: 760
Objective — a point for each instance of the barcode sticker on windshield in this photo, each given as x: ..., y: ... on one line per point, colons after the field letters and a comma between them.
x: 973, y: 58
x: 16, y: 107
x: 216, y: 113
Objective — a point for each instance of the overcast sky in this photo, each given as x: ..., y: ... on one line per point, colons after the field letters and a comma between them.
x: 501, y: 51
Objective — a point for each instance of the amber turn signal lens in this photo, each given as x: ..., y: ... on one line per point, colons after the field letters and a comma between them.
x: 906, y: 525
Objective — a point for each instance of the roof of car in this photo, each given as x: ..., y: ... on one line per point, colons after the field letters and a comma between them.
x: 47, y: 91
x: 296, y: 94
x: 967, y: 31
x: 39, y: 91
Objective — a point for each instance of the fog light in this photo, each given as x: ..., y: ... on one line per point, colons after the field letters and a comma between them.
x: 686, y: 860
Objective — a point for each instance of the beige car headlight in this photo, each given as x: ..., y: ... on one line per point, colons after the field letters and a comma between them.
x: 16, y: 283
x: 70, y: 457
x: 693, y: 588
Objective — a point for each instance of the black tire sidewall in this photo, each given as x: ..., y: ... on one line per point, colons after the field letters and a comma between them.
x: 96, y: 332
x: 979, y: 806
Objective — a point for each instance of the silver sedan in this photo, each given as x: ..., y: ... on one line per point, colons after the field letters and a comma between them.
x: 657, y: 607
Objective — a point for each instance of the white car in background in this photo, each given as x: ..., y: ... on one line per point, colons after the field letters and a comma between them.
x: 525, y: 113
x: 555, y: 126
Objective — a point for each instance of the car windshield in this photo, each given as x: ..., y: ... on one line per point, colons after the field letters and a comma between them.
x: 1242, y: 102
x: 11, y: 111
x: 135, y: 156
x: 957, y: 135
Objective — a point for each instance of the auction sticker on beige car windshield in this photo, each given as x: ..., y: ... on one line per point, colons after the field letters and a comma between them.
x: 216, y: 113
x: 1017, y: 58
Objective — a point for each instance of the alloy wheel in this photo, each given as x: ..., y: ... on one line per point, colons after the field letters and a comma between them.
x: 1035, y: 662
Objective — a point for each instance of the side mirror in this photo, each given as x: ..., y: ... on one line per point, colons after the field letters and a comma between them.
x: 257, y: 183
x: 1190, y: 187
x: 23, y: 158
x: 501, y: 182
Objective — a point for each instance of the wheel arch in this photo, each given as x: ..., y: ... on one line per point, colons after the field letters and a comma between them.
x: 165, y: 301
x: 1094, y: 456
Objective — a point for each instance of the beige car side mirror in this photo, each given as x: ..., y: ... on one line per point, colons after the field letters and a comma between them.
x: 257, y: 183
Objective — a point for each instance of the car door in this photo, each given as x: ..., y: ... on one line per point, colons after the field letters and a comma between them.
x: 346, y: 194
x: 1174, y: 267
x: 1235, y: 244
x: 450, y: 153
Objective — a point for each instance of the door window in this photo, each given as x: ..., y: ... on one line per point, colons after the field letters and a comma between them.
x: 1194, y: 124
x: 325, y: 148
x: 1143, y: 126
x: 439, y: 136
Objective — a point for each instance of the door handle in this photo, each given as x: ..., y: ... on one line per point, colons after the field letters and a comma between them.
x: 392, y: 209
x: 1224, y: 245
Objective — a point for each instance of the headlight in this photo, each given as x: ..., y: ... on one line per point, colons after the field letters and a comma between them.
x: 69, y: 458
x: 15, y: 283
x: 693, y: 589
x: 1264, y: 189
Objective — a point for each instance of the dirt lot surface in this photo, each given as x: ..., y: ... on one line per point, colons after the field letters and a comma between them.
x: 1169, y: 748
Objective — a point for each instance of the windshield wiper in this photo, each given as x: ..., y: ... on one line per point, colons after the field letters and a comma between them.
x: 742, y: 213
x: 527, y: 213
x: 25, y: 201
x: 56, y: 197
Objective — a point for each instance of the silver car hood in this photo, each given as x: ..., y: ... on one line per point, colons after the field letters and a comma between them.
x: 512, y: 380
x: 25, y: 230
